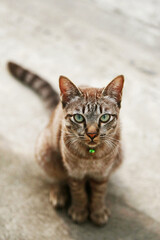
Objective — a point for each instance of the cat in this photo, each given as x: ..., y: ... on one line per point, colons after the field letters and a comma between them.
x: 81, y: 143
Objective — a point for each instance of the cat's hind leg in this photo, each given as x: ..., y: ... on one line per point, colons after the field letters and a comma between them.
x: 50, y: 160
x: 59, y: 195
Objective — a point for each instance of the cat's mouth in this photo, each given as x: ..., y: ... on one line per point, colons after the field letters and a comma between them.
x: 87, y: 141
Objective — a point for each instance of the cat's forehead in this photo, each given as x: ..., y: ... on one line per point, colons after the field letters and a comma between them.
x: 95, y: 107
x: 93, y: 103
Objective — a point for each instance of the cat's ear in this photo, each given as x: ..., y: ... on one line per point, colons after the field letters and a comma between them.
x: 114, y: 89
x: 68, y: 90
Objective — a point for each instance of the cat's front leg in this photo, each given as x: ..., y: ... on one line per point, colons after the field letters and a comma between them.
x: 98, y: 212
x: 79, y: 208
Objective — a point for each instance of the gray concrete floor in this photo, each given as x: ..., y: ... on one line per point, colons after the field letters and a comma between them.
x: 89, y: 41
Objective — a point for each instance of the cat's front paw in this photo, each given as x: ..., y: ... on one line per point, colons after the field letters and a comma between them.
x: 78, y: 215
x: 100, y: 216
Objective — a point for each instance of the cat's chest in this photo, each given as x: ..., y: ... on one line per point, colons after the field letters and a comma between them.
x: 95, y: 168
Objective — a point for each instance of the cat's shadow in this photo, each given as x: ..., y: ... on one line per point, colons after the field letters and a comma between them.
x: 125, y: 223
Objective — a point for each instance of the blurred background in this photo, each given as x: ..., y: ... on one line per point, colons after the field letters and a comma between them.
x: 89, y: 41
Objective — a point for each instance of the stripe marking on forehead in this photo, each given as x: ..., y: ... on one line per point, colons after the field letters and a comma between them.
x: 92, y: 107
x: 99, y: 108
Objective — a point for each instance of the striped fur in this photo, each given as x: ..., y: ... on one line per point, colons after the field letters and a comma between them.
x: 79, y: 209
x: 33, y: 81
x: 99, y: 212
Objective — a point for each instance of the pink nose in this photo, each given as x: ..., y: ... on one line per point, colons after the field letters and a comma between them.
x: 92, y: 135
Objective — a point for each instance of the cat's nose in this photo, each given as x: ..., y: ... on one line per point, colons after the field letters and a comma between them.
x: 92, y: 131
x: 92, y: 135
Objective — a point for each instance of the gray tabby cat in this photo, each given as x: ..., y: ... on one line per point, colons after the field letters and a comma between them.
x: 80, y: 144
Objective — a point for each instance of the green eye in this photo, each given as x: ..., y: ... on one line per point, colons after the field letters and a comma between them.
x: 105, y: 118
x: 78, y: 118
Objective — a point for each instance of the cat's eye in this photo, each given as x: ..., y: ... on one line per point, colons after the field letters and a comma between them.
x: 78, y: 118
x: 105, y: 118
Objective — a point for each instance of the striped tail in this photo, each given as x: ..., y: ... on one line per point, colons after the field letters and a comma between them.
x: 39, y: 85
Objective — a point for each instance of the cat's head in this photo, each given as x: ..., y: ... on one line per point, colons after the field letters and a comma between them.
x: 91, y: 114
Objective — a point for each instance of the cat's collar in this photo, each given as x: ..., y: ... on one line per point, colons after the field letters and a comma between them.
x: 92, y: 151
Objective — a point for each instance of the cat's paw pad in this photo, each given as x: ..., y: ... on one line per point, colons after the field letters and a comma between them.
x: 78, y: 215
x: 58, y: 198
x: 100, y: 217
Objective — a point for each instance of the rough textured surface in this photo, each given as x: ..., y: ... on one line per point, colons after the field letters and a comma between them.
x: 88, y: 41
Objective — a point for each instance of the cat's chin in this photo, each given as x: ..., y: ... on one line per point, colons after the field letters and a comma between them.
x: 92, y: 144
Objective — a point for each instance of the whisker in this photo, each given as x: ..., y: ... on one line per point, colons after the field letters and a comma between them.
x: 110, y: 138
x: 110, y: 143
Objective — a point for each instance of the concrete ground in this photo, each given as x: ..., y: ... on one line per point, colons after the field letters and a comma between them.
x: 89, y: 41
